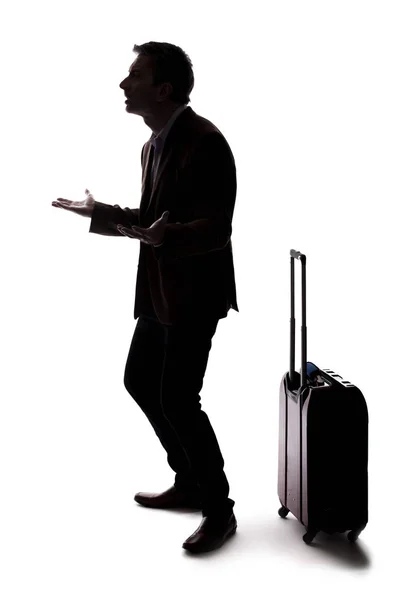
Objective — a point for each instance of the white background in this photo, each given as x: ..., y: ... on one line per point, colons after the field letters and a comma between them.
x: 307, y: 96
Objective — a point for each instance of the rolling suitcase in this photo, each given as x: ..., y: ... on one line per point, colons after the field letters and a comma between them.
x: 323, y: 442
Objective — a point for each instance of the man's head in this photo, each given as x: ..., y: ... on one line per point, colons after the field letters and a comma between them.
x: 159, y: 80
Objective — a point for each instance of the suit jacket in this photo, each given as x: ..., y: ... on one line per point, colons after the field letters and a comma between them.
x: 191, y: 275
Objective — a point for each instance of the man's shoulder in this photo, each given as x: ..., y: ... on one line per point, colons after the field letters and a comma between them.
x: 191, y: 132
x: 198, y: 133
x: 196, y: 126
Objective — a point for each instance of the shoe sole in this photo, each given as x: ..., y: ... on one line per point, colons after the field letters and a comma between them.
x: 166, y: 506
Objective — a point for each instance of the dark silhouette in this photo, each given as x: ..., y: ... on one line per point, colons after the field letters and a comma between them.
x: 185, y: 280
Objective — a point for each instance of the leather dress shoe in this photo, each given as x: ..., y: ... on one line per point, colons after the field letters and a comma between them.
x: 171, y: 498
x: 211, y: 534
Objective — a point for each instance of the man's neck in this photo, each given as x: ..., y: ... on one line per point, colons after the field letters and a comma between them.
x: 158, y: 122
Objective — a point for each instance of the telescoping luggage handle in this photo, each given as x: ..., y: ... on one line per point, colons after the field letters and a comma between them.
x: 295, y: 254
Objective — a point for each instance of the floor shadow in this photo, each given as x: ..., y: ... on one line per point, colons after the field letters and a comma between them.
x: 335, y: 546
x: 338, y: 548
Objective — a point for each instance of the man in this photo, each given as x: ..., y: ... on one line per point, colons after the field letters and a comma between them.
x: 185, y: 280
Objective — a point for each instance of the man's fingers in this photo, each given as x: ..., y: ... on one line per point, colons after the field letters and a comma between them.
x: 66, y: 204
x: 61, y: 204
x: 124, y: 231
x: 133, y: 237
x: 129, y: 230
x: 133, y: 233
x: 141, y: 233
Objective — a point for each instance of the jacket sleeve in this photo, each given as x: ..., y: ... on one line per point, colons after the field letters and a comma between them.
x: 213, y: 195
x: 105, y: 217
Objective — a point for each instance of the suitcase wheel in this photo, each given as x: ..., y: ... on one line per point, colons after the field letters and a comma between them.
x: 309, y: 536
x: 352, y: 536
x: 283, y: 511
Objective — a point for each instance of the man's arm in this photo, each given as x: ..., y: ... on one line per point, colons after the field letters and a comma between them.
x: 105, y: 218
x: 214, y: 194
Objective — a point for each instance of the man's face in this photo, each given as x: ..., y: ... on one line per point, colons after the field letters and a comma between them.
x: 143, y: 97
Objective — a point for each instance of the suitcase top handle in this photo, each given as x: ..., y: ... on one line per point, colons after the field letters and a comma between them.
x: 299, y: 255
x: 302, y: 257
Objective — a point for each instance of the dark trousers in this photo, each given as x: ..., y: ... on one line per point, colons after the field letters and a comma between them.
x: 164, y: 375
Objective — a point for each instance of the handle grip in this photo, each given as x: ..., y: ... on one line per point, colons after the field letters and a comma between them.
x: 299, y: 255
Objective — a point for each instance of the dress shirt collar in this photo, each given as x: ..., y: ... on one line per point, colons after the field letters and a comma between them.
x: 155, y: 139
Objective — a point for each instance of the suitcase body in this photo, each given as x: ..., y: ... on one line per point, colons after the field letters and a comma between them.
x: 323, y: 444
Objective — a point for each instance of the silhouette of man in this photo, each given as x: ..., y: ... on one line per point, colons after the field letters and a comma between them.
x: 185, y: 280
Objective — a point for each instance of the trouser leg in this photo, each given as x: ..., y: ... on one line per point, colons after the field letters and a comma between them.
x: 142, y: 379
x: 186, y: 356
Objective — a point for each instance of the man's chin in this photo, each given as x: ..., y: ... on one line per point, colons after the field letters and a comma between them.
x: 129, y: 107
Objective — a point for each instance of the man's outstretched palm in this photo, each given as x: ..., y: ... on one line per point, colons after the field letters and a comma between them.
x: 150, y: 235
x: 83, y: 208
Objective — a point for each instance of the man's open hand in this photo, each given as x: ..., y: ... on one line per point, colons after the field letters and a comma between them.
x: 152, y: 235
x: 83, y: 208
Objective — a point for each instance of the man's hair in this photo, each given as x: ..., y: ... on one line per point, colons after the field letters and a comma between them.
x: 170, y: 64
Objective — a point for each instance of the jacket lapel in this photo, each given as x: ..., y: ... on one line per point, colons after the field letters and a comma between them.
x: 147, y: 161
x: 149, y: 193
